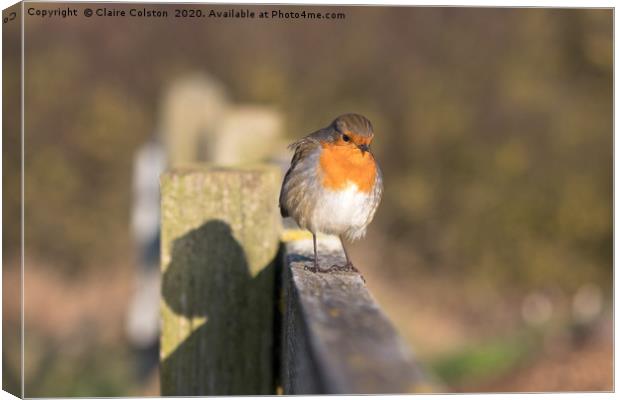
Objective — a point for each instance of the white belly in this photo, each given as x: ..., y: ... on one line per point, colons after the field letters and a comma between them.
x: 345, y: 212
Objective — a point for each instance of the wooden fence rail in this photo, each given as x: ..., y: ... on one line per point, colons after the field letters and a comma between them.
x: 336, y: 339
x: 241, y: 315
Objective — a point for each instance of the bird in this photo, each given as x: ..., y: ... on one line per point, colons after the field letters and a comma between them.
x: 334, y: 184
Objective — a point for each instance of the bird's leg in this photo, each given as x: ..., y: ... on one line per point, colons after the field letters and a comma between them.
x: 349, y: 264
x: 316, y: 257
x: 348, y: 267
x: 315, y: 267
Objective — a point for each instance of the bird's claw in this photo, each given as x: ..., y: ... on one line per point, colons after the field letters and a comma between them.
x: 313, y: 268
x: 348, y: 267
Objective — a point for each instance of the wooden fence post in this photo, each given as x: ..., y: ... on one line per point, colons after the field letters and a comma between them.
x: 220, y: 237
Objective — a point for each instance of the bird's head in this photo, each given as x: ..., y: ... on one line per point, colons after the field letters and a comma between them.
x: 352, y: 130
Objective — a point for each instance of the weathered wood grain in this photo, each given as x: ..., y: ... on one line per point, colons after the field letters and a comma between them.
x: 220, y: 238
x: 335, y: 337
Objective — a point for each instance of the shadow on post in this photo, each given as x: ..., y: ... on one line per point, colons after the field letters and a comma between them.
x: 227, y: 317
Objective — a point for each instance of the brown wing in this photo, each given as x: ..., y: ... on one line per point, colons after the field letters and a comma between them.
x: 302, y: 148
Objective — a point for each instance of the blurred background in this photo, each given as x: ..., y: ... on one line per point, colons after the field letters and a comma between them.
x: 491, y: 251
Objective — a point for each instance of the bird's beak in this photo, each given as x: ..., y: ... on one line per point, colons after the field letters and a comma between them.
x: 363, y: 147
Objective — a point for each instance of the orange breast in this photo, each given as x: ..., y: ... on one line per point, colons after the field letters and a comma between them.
x: 343, y: 164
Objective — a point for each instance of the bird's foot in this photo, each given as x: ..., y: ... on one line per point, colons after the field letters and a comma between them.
x: 314, y: 268
x: 348, y: 267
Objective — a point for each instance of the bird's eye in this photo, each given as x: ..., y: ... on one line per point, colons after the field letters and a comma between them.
x: 346, y: 138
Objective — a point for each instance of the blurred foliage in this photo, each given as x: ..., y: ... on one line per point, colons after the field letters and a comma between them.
x: 494, y: 126
x: 484, y: 361
x: 61, y: 371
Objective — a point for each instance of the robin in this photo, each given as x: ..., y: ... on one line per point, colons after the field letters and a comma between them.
x: 334, y: 183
